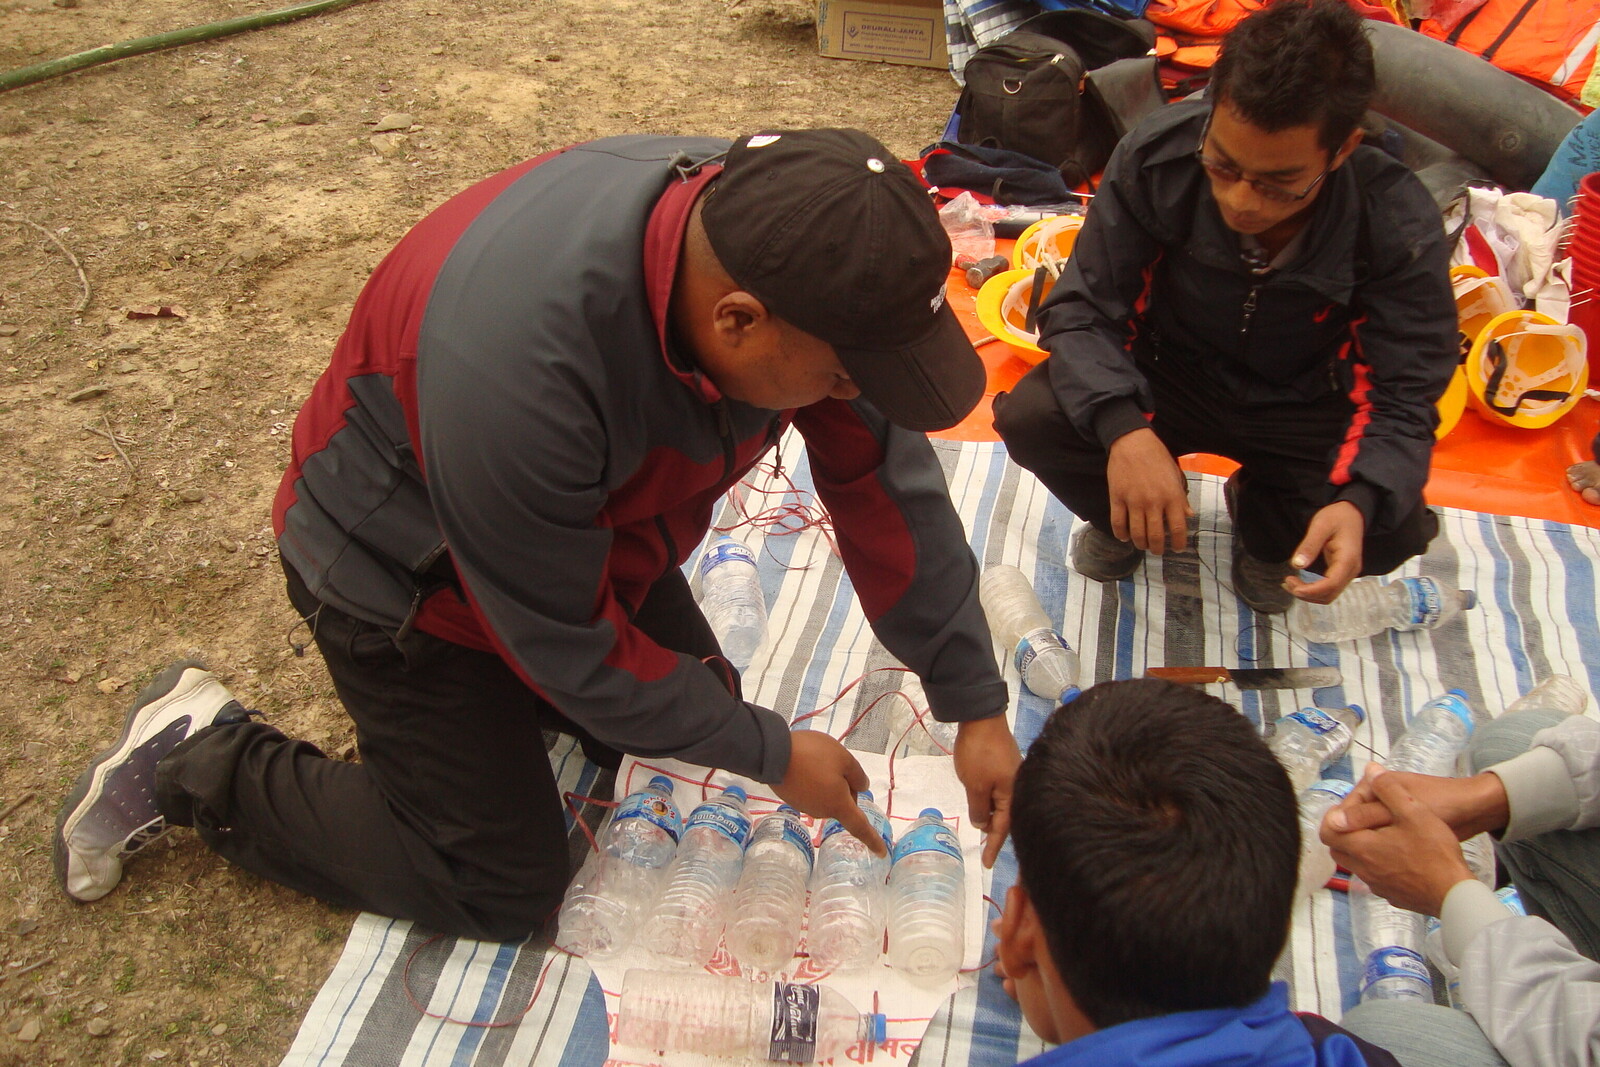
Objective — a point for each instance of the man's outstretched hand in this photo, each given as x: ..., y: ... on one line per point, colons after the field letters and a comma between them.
x: 1148, y: 493
x: 1336, y: 533
x: 823, y: 781
x: 986, y: 761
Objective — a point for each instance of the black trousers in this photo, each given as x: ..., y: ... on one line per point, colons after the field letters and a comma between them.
x: 1284, y: 452
x: 452, y: 818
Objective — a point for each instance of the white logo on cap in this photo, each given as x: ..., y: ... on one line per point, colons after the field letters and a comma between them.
x: 875, y: 166
x: 938, y: 300
x: 762, y: 140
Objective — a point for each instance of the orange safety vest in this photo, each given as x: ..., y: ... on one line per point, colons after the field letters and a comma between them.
x: 1550, y: 42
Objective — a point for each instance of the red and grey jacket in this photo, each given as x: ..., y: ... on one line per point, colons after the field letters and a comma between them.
x: 507, y: 399
x: 1364, y: 309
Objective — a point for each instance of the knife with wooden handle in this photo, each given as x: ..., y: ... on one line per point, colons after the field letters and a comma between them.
x: 1251, y: 677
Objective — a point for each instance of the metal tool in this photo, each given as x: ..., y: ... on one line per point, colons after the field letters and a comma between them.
x: 1251, y: 677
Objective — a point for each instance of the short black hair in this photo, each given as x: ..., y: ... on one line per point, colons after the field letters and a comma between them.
x: 1159, y: 840
x: 1297, y: 63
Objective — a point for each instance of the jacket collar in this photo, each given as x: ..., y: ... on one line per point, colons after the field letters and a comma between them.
x: 1326, y: 263
x: 663, y: 250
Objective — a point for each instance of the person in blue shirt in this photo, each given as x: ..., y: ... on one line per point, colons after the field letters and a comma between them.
x: 1157, y: 843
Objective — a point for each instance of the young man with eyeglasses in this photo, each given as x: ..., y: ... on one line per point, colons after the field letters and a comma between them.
x: 1252, y: 282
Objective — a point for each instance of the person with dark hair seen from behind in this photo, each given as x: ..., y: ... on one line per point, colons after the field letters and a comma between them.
x: 1251, y: 281
x: 1157, y: 843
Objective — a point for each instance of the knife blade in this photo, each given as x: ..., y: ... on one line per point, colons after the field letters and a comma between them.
x: 1251, y: 677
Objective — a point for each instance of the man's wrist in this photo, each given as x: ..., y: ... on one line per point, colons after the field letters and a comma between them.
x: 1488, y: 806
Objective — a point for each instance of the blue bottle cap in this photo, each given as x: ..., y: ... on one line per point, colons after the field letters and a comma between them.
x: 1070, y: 693
x: 935, y: 812
x: 734, y: 791
x: 1469, y: 599
x: 1361, y: 712
x: 880, y: 1028
x: 865, y: 794
x: 785, y: 807
x: 663, y: 783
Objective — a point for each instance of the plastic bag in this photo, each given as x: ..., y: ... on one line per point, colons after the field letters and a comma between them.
x: 970, y: 231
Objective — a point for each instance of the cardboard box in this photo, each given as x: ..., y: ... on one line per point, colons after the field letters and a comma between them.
x: 888, y: 31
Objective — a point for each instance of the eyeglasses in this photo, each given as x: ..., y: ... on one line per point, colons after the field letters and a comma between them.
x: 1227, y: 173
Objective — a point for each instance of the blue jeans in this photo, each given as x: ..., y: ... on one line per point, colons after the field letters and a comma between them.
x: 1577, y: 154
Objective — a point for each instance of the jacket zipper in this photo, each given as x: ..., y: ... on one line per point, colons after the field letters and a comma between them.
x: 1249, y: 310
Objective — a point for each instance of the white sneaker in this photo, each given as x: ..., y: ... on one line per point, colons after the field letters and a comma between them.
x: 111, y: 812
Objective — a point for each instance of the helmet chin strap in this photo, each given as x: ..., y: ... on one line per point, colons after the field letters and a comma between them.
x: 687, y: 166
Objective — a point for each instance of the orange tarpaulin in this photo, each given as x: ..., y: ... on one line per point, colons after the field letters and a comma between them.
x: 1480, y: 466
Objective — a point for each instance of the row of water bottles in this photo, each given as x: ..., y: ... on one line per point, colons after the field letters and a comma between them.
x: 724, y: 880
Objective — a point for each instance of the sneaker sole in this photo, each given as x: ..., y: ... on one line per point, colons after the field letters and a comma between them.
x: 163, y: 685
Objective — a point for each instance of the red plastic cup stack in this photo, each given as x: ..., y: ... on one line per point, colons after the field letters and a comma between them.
x: 1583, y: 245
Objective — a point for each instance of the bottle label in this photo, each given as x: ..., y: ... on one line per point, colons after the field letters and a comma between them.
x: 790, y: 830
x: 1390, y: 961
x: 652, y: 807
x: 1315, y: 719
x: 728, y: 822
x: 1509, y: 896
x: 1451, y: 703
x: 1035, y: 642
x: 1427, y: 603
x: 723, y: 550
x: 794, y: 1022
x: 928, y: 837
x: 879, y: 821
x: 1337, y: 786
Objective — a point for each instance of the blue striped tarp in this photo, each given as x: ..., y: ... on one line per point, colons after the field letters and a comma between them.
x: 1535, y: 582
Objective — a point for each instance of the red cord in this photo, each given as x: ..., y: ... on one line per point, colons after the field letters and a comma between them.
x: 577, y: 813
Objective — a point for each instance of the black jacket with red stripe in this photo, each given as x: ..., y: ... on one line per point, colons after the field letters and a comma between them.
x: 507, y: 399
x: 1364, y: 308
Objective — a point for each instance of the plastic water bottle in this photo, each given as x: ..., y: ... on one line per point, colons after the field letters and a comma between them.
x: 1478, y: 851
x: 1369, y: 606
x: 1434, y: 738
x: 1048, y: 665
x: 1389, y: 942
x: 1556, y: 693
x: 1512, y: 899
x: 1433, y: 949
x: 1316, y: 862
x: 769, y: 903
x: 718, y: 1015
x: 687, y: 922
x: 618, y: 884
x: 927, y: 901
x: 848, y: 895
x: 731, y: 598
x: 1309, y: 739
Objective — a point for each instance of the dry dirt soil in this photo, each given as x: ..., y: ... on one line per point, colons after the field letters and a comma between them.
x: 245, y: 184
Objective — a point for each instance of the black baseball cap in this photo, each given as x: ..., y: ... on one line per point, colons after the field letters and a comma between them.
x: 837, y: 238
